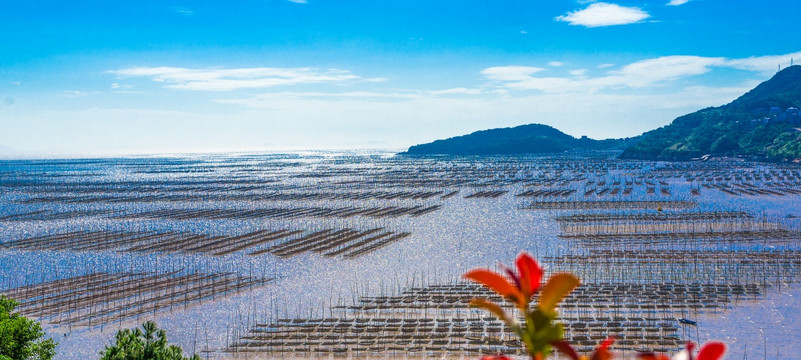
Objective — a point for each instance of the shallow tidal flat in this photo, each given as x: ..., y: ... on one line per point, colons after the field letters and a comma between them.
x: 360, y: 255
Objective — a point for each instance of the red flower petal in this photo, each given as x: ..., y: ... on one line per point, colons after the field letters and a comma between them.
x: 565, y: 348
x: 602, y: 351
x: 712, y: 350
x: 512, y: 275
x: 495, y: 357
x: 494, y: 281
x: 530, y: 274
x: 607, y: 343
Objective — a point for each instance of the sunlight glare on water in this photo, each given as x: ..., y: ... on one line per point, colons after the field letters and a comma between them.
x: 209, y: 200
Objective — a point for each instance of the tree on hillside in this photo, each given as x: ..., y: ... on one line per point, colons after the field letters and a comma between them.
x: 22, y: 338
x: 148, y: 345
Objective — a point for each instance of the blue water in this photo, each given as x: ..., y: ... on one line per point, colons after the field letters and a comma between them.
x: 463, y: 234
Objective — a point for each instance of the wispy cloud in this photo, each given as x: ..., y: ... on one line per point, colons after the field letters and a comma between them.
x: 77, y: 93
x: 510, y: 73
x: 183, y: 11
x: 555, y: 63
x: 298, y: 1
x: 604, y: 14
x: 116, y: 86
x: 764, y: 64
x: 456, y: 91
x: 652, y: 71
x: 677, y: 2
x: 640, y: 74
x: 234, y: 79
x: 267, y: 100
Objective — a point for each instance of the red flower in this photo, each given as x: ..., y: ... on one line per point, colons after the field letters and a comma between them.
x: 539, y: 332
x: 525, y: 283
x: 526, y: 280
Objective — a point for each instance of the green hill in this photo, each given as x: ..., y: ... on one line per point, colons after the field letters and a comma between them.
x: 524, y: 139
x: 761, y: 124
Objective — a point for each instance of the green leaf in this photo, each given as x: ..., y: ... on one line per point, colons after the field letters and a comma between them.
x: 20, y: 337
x: 150, y: 344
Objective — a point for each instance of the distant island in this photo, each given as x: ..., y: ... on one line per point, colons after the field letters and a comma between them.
x: 763, y: 124
x: 524, y: 139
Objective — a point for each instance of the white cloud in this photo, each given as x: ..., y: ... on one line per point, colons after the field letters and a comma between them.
x: 456, y: 91
x: 677, y: 2
x: 183, y: 11
x: 510, y: 73
x: 555, y: 63
x: 764, y: 64
x: 548, y: 84
x: 604, y: 14
x: 298, y: 1
x: 640, y: 74
x: 117, y: 86
x: 604, y: 66
x: 662, y: 69
x: 235, y: 79
x: 77, y: 93
x: 635, y: 75
x: 265, y: 100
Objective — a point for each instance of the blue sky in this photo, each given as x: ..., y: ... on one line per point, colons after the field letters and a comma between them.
x: 119, y: 77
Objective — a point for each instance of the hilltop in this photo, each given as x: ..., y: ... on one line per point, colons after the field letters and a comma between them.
x: 524, y: 139
x: 761, y: 124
